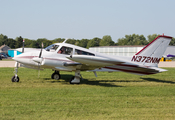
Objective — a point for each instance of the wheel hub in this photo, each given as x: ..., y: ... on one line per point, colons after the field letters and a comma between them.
x: 56, y: 76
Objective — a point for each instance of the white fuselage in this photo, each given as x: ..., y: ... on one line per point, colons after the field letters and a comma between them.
x: 67, y: 57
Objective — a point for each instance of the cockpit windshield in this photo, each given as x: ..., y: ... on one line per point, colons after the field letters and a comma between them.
x: 52, y: 48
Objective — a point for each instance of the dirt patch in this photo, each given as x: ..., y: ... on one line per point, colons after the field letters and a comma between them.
x: 7, y: 63
x: 12, y: 64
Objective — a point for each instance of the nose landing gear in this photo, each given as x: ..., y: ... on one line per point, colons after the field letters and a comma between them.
x: 15, y: 78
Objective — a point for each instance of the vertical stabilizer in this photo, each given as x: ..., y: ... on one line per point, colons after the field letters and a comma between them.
x: 151, y: 54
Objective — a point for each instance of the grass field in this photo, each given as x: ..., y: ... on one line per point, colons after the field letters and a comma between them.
x: 109, y: 96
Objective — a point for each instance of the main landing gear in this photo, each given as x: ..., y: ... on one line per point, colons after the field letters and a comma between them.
x: 74, y: 80
x: 56, y: 75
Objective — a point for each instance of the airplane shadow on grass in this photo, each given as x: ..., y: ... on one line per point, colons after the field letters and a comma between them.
x: 157, y: 80
x: 105, y: 83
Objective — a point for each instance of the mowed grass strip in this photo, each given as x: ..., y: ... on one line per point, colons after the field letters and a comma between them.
x: 114, y: 95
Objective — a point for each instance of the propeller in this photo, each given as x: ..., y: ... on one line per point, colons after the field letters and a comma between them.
x: 41, y: 50
x: 23, y: 46
x: 17, y: 64
x: 39, y: 63
x: 39, y: 60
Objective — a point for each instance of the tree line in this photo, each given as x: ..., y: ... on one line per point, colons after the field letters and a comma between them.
x: 133, y: 39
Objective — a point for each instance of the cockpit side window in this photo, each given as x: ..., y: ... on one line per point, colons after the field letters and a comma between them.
x: 65, y: 50
x: 80, y: 52
x: 52, y: 48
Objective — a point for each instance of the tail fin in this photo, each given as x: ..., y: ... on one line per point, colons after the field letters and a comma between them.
x: 151, y: 54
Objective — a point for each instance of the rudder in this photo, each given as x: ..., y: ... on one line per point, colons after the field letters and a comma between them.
x: 151, y: 54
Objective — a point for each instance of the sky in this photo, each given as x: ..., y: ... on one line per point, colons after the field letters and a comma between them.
x: 86, y: 19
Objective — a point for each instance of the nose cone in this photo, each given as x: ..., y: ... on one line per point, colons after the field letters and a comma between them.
x: 22, y: 58
x: 15, y: 58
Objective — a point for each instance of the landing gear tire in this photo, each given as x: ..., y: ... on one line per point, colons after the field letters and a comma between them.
x: 56, y: 76
x: 15, y: 79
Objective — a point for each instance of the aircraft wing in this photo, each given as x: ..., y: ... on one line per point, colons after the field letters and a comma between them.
x: 94, y: 60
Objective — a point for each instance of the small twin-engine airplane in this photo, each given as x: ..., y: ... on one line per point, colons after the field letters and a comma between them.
x: 67, y: 57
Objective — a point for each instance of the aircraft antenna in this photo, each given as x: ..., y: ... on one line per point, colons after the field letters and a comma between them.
x: 65, y: 40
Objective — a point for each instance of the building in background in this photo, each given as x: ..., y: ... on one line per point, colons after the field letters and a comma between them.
x: 118, y: 50
x: 4, y: 49
x: 128, y: 50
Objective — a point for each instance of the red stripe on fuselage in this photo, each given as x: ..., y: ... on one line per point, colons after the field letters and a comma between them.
x: 26, y: 57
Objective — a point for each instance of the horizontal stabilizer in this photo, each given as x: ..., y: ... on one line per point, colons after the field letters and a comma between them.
x: 159, y: 69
